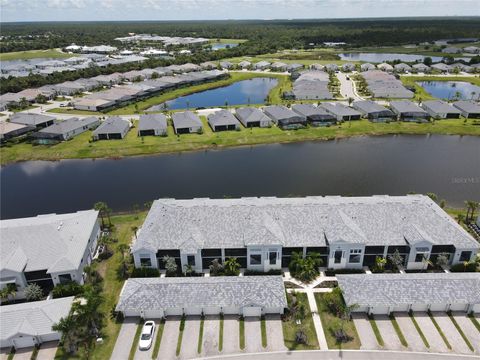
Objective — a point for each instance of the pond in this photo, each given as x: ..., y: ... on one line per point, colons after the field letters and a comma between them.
x: 446, y: 165
x: 451, y: 89
x: 381, y: 57
x: 252, y: 91
x: 218, y: 46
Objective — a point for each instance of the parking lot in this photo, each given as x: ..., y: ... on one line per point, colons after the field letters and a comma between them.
x: 454, y: 343
x: 210, y: 340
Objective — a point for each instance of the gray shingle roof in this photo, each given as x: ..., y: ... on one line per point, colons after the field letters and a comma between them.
x: 33, y: 318
x: 471, y: 107
x: 186, y: 119
x: 405, y: 106
x: 421, y: 288
x: 152, y: 121
x: 233, y: 223
x: 194, y: 292
x: 439, y: 106
x: 30, y: 119
x: 371, y: 107
x: 222, y: 118
x: 312, y: 112
x: 339, y: 109
x: 65, y: 126
x: 53, y: 242
x: 113, y: 125
x: 249, y: 114
x: 279, y: 112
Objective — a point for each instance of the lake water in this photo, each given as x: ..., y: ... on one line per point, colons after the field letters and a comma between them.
x: 448, y: 89
x: 380, y: 57
x: 219, y: 46
x: 394, y: 165
x: 252, y: 91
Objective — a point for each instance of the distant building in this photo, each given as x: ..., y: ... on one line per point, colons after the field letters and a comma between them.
x: 252, y: 117
x: 452, y: 50
x: 186, y: 123
x: 261, y: 65
x: 34, y: 120
x: 316, y: 116
x: 244, y: 64
x: 284, y: 117
x: 422, y: 68
x: 152, y: 124
x: 408, y: 111
x: 113, y: 128
x: 373, y: 111
x: 67, y: 129
x: 347, y: 67
x: 223, y: 120
x: 469, y: 109
x: 341, y: 112
x: 367, y: 67
x: 278, y: 66
x: 439, y: 109
x: 10, y: 130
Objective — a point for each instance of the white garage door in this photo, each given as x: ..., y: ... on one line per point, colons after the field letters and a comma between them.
x: 438, y: 307
x: 361, y: 309
x: 379, y: 310
x: 50, y: 337
x: 211, y: 310
x: 419, y: 307
x: 458, y: 307
x: 401, y: 308
x: 476, y: 308
x: 231, y: 310
x: 153, y: 314
x: 174, y: 312
x: 193, y: 311
x: 128, y: 313
x: 252, y: 311
x: 24, y: 341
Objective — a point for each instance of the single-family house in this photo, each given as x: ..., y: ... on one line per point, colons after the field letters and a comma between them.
x: 439, y: 109
x: 278, y: 66
x: 261, y: 65
x: 244, y: 64
x: 317, y: 67
x: 262, y: 233
x: 469, y: 109
x: 30, y: 324
x: 408, y: 111
x: 421, y: 68
x: 92, y: 104
x: 34, y: 120
x: 316, y: 116
x: 291, y: 68
x: 186, y: 123
x: 152, y: 124
x: 284, y: 117
x: 112, y: 128
x: 226, y: 65
x: 252, y: 117
x: 331, y: 67
x: 347, y: 67
x: 341, y: 112
x: 383, y: 294
x: 10, y: 130
x: 472, y: 49
x: 385, y: 67
x: 176, y: 296
x: 367, y: 67
x: 223, y: 120
x: 444, y: 68
x: 208, y: 65
x: 47, y: 249
x: 402, y: 68
x: 66, y: 129
x: 451, y: 50
x: 373, y: 111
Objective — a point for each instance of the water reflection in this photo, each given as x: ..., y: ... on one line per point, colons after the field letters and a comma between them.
x: 451, y: 89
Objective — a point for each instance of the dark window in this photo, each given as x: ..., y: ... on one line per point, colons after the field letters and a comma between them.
x: 162, y: 253
x: 320, y: 250
x: 255, y: 259
x: 273, y: 258
x: 191, y: 260
x: 145, y: 262
x: 465, y: 255
x: 236, y: 252
x: 215, y: 253
x: 374, y: 250
x: 37, y: 275
x: 206, y: 262
x: 338, y: 256
x: 419, y: 257
x: 354, y: 258
x: 290, y: 250
x: 401, y: 249
x: 64, y: 278
x: 437, y: 249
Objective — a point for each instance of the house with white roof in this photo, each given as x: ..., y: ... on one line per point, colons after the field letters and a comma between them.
x: 47, y: 249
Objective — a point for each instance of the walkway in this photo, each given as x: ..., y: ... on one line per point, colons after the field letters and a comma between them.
x: 347, y: 87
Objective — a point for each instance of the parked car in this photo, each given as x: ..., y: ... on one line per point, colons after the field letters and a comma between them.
x: 146, y: 338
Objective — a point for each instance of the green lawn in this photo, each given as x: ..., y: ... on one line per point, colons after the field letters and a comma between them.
x: 263, y: 328
x: 158, y: 339
x: 136, y: 339
x: 180, y: 335
x: 420, y: 332
x: 65, y: 110
x: 376, y: 331
x: 290, y: 328
x: 200, y: 336
x: 439, y: 329
x: 220, y: 334
x: 241, y: 333
x: 460, y: 330
x: 331, y: 323
x: 421, y: 93
x: 33, y: 54
x: 227, y: 41
x: 398, y: 330
x: 80, y: 147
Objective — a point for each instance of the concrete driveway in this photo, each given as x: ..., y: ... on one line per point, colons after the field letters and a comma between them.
x: 47, y: 351
x: 125, y: 339
x: 389, y: 335
x: 190, y: 338
x: 469, y: 329
x: 253, y: 335
x: 365, y: 332
x: 274, y: 327
x: 231, y: 342
x: 23, y: 354
x: 451, y: 333
x: 168, y: 346
x: 147, y: 354
x: 4, y: 353
x: 415, y: 342
x: 430, y: 331
x: 211, y: 332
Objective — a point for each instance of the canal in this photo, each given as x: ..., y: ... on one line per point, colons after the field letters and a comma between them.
x: 395, y: 165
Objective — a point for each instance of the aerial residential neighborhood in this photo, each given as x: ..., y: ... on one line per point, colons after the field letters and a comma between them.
x: 240, y: 180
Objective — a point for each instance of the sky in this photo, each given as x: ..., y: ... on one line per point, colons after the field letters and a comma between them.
x: 91, y: 10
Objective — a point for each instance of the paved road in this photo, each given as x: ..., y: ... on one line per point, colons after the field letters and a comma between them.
x: 346, y: 87
x: 253, y: 335
x: 125, y: 339
x: 411, y: 334
x: 168, y: 346
x: 468, y: 329
x: 211, y: 332
x: 451, y: 333
x: 274, y: 327
x: 345, y: 355
x: 430, y: 331
x: 389, y: 335
x: 365, y: 332
x: 190, y: 338
x: 230, y: 334
x: 47, y: 351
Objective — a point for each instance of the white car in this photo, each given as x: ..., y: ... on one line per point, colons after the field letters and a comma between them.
x: 146, y: 338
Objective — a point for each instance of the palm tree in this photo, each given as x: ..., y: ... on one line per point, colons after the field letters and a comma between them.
x: 231, y: 266
x: 432, y: 196
x: 101, y: 208
x: 124, y: 248
x: 350, y: 100
x: 472, y: 206
x: 134, y: 229
x: 460, y: 218
x: 67, y: 326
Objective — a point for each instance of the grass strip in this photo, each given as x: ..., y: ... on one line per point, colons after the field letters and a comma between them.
x: 136, y: 339
x: 220, y: 334
x: 420, y: 332
x: 474, y: 321
x: 263, y: 327
x: 241, y: 323
x: 440, y: 331
x: 35, y: 352
x: 398, y: 330
x: 200, y: 336
x: 11, y: 354
x: 158, y: 339
x: 180, y: 335
x: 376, y: 331
x: 467, y: 341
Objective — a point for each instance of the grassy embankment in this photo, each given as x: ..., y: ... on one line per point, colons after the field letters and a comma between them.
x: 34, y: 54
x: 80, y: 147
x: 422, y: 94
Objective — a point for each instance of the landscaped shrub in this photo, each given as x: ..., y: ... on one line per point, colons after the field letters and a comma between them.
x: 145, y: 272
x: 332, y: 272
x: 33, y: 292
x: 467, y: 267
x: 305, y: 269
x: 258, y: 273
x: 69, y: 289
